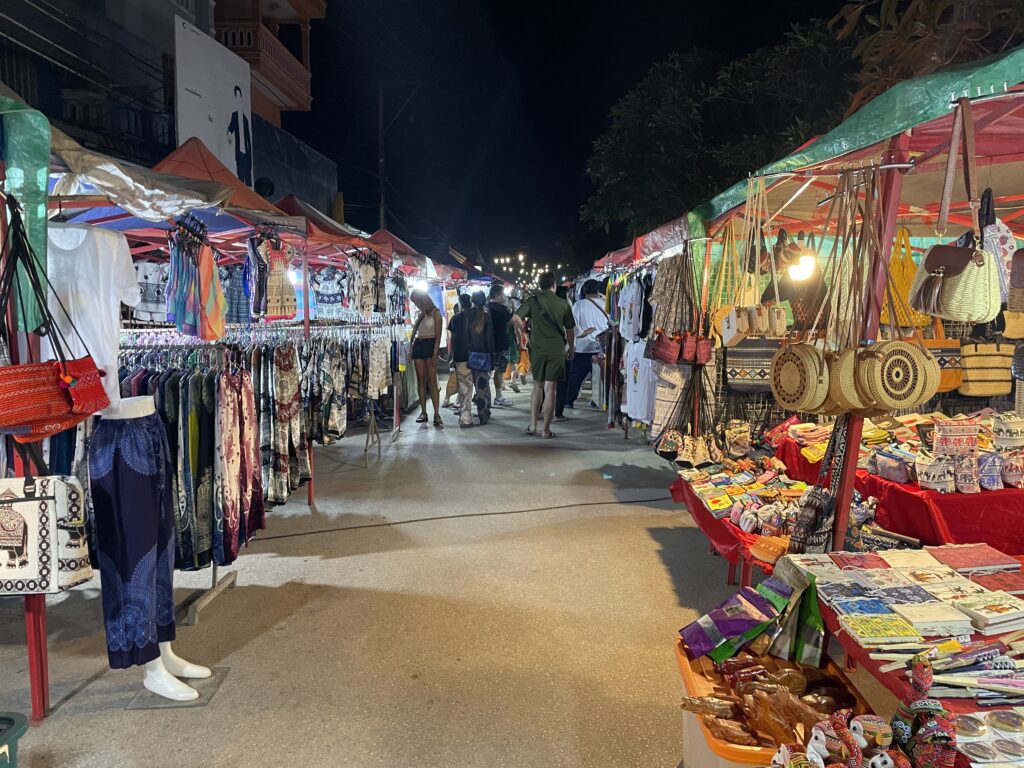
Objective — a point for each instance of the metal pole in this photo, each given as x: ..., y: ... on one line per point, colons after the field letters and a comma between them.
x: 892, y: 186
x: 307, y: 311
x: 380, y: 154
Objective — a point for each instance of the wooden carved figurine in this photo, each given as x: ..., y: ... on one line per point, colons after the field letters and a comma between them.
x: 796, y: 711
x: 762, y: 717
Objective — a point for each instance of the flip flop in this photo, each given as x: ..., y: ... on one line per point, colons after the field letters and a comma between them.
x: 438, y: 421
x: 421, y: 419
x: 549, y: 435
x: 531, y: 430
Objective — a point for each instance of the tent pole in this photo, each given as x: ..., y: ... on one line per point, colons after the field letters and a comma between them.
x: 892, y: 185
x: 306, y: 311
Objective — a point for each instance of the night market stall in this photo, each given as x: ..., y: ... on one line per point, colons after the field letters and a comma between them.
x: 834, y: 352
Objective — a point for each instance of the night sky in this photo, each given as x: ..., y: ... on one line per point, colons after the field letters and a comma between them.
x: 504, y: 101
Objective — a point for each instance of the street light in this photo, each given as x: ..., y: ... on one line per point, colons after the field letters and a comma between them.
x: 522, y: 257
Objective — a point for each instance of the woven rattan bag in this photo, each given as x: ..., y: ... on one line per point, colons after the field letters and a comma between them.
x: 799, y: 377
x: 986, y: 369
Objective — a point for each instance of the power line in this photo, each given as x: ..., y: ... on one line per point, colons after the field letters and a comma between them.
x: 394, y: 34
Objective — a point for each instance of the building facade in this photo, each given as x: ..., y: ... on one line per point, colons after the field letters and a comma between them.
x: 103, y: 71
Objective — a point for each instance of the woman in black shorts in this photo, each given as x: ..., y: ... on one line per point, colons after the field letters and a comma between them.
x: 426, y: 341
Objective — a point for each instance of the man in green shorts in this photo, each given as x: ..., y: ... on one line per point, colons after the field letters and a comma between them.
x: 551, y: 345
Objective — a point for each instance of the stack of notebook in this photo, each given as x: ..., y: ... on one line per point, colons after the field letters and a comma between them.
x: 974, y: 558
x: 935, y: 619
x: 870, y: 631
x: 994, y: 613
x: 1011, y: 582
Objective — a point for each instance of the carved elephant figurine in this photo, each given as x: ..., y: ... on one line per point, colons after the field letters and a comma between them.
x: 13, y: 537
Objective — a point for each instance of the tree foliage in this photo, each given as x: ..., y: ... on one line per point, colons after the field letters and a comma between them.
x: 901, y: 39
x: 695, y: 125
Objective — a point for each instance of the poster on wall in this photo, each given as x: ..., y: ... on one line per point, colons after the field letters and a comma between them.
x: 212, y: 98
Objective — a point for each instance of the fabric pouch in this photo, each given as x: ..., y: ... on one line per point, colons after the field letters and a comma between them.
x: 990, y: 470
x: 966, y: 473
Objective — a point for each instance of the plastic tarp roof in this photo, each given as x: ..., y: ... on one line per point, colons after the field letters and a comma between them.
x: 922, y: 106
x: 145, y: 193
x: 319, y: 226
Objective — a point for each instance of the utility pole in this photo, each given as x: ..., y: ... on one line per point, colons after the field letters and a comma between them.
x: 380, y: 153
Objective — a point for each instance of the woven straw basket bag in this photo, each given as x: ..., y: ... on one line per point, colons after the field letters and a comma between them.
x: 799, y: 377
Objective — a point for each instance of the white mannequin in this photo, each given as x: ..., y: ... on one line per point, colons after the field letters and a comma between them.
x: 160, y: 675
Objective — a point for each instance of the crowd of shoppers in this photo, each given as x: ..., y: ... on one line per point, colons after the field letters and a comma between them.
x: 490, y: 345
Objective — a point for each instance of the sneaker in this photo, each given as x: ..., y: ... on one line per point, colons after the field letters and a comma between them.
x: 514, y: 386
x: 503, y: 401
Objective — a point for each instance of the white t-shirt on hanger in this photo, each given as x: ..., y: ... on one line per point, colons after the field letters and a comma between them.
x: 92, y: 273
x: 631, y: 301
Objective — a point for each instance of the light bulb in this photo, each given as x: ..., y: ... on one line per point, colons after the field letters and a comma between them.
x: 803, y: 269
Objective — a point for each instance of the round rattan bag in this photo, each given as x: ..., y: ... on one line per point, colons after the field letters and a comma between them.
x: 894, y: 374
x: 842, y: 384
x: 799, y: 377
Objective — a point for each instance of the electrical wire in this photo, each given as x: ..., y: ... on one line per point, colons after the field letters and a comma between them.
x: 455, y: 517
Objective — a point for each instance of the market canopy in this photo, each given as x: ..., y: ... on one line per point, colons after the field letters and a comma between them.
x: 389, y: 244
x: 923, y: 107
x: 142, y: 192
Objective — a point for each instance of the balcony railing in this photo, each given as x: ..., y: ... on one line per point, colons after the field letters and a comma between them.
x: 274, y: 67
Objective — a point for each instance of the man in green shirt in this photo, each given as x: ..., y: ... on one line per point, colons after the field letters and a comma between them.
x: 551, y: 345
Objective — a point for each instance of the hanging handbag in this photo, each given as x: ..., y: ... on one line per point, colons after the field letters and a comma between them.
x: 748, y: 364
x: 953, y: 282
x: 1013, y: 325
x: 43, y: 546
x: 1015, y: 301
x: 1017, y: 363
x: 665, y: 349
x: 902, y: 268
x: 1008, y: 431
x: 986, y: 369
x: 947, y: 353
x: 38, y: 400
x: 935, y: 473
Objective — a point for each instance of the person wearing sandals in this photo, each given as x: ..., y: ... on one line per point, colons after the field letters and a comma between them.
x: 480, y: 326
x: 552, y: 329
x: 426, y: 342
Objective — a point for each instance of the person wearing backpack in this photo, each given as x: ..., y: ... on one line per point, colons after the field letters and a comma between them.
x: 552, y: 344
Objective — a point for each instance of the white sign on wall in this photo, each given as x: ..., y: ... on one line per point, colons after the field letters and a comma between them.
x: 212, y: 98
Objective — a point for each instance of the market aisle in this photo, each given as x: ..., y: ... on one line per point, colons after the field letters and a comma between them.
x: 535, y: 639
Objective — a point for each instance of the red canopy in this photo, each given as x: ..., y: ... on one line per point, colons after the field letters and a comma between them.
x: 194, y: 160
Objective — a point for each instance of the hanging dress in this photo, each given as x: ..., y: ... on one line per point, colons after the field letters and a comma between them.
x: 281, y: 301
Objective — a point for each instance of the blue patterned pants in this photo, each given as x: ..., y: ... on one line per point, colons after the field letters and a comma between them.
x: 129, y: 466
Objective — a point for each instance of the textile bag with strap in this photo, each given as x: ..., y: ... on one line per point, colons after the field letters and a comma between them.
x: 43, y: 547
x: 953, y: 282
x: 697, y: 346
x: 40, y: 399
x: 902, y: 268
x: 947, y: 354
x: 1015, y: 301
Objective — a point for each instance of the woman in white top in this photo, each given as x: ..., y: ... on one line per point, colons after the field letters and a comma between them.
x: 426, y: 341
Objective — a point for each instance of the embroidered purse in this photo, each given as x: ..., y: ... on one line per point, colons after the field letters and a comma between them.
x: 954, y: 437
x: 990, y: 470
x: 965, y: 468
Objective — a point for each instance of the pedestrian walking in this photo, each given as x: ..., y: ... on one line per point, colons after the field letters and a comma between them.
x: 551, y: 345
x: 501, y: 316
x: 426, y: 342
x: 593, y: 320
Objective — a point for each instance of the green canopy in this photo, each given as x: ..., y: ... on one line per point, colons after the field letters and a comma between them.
x: 25, y: 136
x: 904, y: 106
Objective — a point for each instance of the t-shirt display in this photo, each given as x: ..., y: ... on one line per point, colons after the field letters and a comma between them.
x: 152, y: 279
x: 92, y: 274
x: 631, y: 305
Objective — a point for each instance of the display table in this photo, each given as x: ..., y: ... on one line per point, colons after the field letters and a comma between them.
x: 991, y: 517
x: 725, y: 538
x: 897, y: 681
x: 797, y: 465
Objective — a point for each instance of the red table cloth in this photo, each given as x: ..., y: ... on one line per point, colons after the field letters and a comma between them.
x: 797, y: 465
x: 991, y: 517
x: 728, y: 540
x: 897, y: 681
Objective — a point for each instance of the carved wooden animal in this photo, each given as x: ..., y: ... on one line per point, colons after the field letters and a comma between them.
x: 762, y: 717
